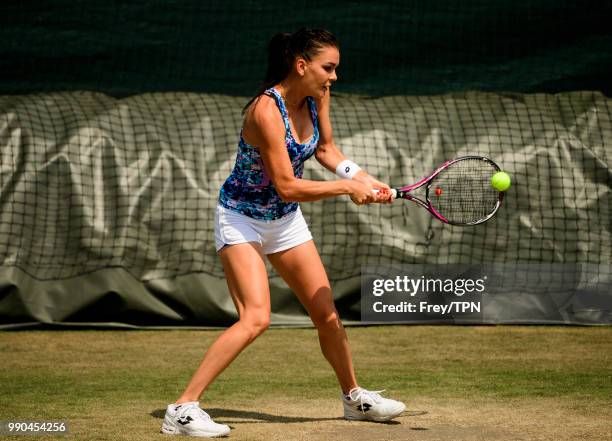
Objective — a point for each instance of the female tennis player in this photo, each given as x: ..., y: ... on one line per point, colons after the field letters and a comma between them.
x: 258, y: 215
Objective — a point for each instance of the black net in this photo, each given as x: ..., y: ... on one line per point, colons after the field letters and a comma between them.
x: 91, y: 182
x: 118, y: 125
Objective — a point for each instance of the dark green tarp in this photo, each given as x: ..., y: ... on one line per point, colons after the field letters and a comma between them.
x: 107, y: 204
x: 411, y: 47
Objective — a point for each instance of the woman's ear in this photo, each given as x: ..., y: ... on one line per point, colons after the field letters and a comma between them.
x: 301, y: 66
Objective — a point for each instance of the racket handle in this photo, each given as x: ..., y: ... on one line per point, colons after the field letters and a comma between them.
x: 393, y: 192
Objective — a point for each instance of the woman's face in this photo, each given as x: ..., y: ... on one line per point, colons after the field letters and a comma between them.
x: 320, y: 72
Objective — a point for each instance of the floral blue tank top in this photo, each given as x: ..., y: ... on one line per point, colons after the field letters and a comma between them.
x: 248, y: 189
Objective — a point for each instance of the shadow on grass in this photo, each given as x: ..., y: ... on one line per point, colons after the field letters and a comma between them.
x: 251, y: 417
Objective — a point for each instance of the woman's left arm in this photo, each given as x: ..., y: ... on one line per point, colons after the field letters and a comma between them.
x: 328, y: 154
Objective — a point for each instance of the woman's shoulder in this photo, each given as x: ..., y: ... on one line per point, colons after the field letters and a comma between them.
x: 264, y: 102
x: 262, y: 115
x: 262, y: 109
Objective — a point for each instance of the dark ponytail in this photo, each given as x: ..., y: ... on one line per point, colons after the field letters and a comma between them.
x: 284, y: 48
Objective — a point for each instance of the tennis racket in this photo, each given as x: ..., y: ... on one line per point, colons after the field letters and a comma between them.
x: 458, y: 192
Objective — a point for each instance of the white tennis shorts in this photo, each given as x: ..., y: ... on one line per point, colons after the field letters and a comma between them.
x: 276, y: 235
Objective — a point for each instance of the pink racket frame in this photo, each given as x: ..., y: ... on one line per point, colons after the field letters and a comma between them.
x: 404, y: 192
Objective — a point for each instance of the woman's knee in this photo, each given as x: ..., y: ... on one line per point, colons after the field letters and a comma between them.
x: 327, y: 321
x: 255, y: 325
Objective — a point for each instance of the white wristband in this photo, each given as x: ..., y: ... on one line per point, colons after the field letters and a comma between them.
x: 347, y: 169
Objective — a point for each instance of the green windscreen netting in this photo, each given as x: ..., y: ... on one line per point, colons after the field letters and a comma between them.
x: 108, y: 184
x: 410, y: 47
x: 90, y: 182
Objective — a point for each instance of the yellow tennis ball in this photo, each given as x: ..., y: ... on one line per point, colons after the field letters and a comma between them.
x: 501, y: 181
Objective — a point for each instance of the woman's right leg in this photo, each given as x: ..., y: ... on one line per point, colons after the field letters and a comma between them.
x: 247, y: 281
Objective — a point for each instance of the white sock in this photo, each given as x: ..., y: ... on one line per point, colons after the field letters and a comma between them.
x: 349, y: 396
x: 176, y: 406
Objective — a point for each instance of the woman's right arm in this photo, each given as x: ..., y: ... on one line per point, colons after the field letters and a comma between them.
x: 267, y: 132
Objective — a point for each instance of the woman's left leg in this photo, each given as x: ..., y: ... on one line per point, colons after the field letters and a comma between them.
x: 302, y: 269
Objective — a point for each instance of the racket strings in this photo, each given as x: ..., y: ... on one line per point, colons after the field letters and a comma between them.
x: 463, y: 193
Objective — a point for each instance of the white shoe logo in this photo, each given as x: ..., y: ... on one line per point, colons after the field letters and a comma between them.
x: 184, y: 420
x: 364, y: 407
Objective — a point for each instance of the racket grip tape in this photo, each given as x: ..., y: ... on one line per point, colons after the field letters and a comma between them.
x: 393, y: 192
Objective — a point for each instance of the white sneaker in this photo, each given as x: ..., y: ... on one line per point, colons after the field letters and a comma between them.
x: 189, y: 419
x: 361, y: 404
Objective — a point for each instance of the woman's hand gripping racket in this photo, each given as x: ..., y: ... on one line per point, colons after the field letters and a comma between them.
x: 458, y: 192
